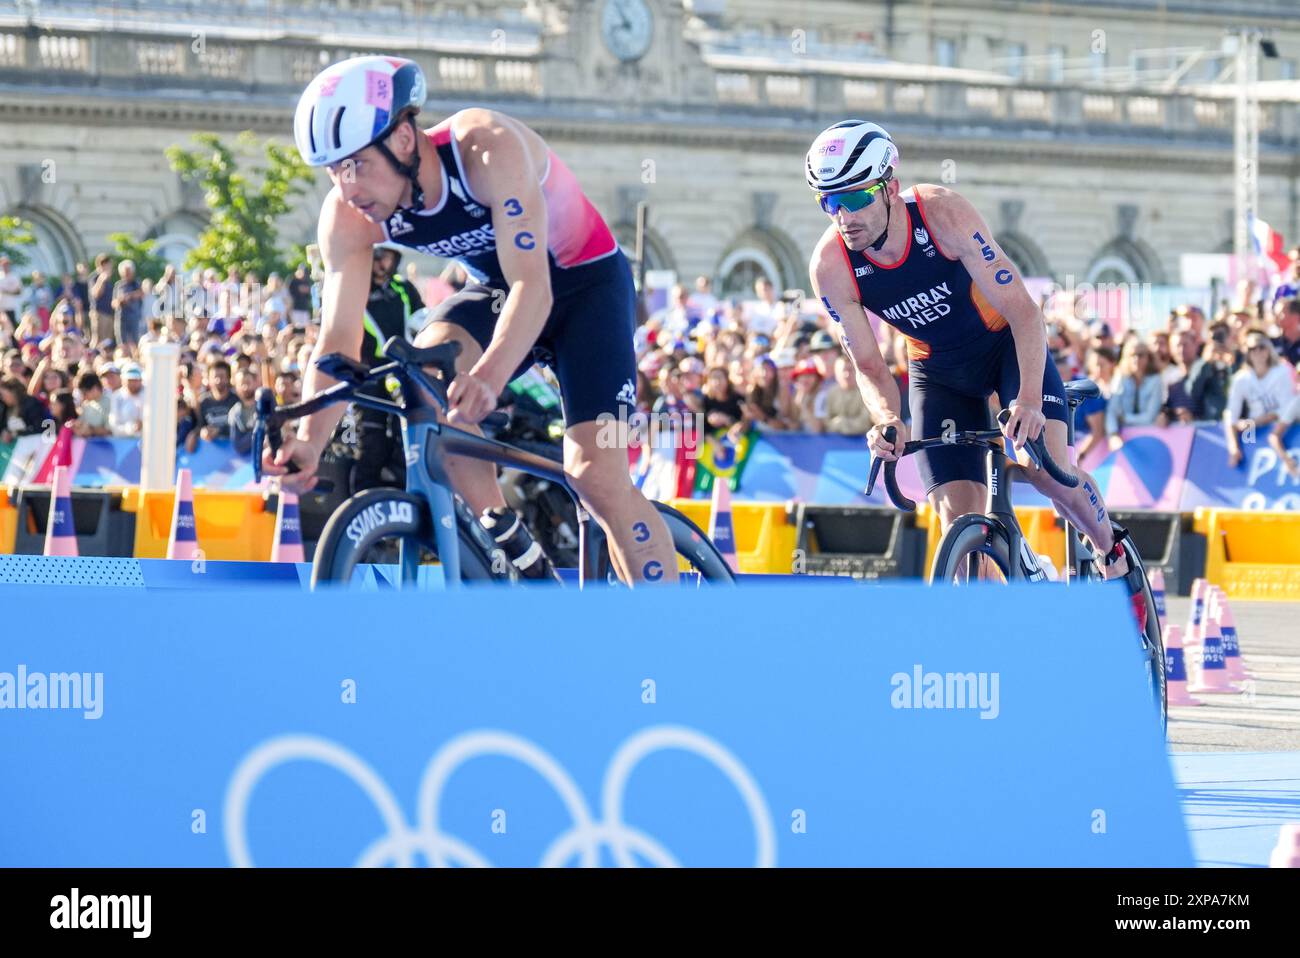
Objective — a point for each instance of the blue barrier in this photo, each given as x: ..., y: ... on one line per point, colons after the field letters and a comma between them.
x: 722, y: 728
x: 1173, y: 469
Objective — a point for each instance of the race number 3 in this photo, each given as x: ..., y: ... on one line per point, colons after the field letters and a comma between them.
x: 641, y: 531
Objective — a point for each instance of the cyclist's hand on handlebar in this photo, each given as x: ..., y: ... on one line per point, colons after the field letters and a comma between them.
x: 470, y: 398
x: 1025, y: 423
x: 301, y: 454
x: 880, y: 447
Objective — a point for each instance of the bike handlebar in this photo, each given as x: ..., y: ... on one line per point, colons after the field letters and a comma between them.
x: 1036, y: 448
x: 406, y: 361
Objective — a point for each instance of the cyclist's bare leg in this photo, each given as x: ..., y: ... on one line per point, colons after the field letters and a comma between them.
x: 473, y: 479
x: 957, y: 498
x: 953, y: 499
x: 1082, y: 505
x: 639, y: 542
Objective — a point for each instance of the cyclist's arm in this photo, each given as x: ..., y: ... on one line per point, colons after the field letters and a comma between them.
x: 503, y: 174
x: 962, y: 234
x: 833, y: 284
x: 346, y: 242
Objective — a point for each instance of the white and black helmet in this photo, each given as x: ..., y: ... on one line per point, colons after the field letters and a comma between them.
x: 357, y: 103
x: 848, y: 154
x: 354, y: 103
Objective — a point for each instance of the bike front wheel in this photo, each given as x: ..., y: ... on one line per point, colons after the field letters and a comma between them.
x: 974, y: 549
x: 393, y: 529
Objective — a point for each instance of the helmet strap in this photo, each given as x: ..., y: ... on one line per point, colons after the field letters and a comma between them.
x: 884, y: 234
x: 410, y: 170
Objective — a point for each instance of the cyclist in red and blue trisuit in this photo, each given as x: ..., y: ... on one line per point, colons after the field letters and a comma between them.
x: 926, y: 263
x: 549, y: 282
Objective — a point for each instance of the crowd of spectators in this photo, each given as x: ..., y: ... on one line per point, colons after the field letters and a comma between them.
x: 71, y: 348
x: 773, y: 362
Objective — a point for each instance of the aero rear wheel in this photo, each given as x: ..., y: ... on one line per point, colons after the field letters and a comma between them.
x: 393, y: 528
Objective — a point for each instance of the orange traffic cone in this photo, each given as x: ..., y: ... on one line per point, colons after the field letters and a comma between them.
x: 183, y: 542
x: 60, y: 532
x: 1176, y: 668
x: 1212, y: 676
x: 287, y: 545
x: 1287, y: 852
x: 721, y: 530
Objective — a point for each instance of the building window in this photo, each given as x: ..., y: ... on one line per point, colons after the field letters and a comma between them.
x: 945, y: 52
x: 1056, y: 63
x: 1097, y: 62
x: 1015, y: 60
x: 744, y: 267
x: 56, y: 250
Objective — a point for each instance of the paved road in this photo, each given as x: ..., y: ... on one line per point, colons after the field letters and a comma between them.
x: 1267, y: 720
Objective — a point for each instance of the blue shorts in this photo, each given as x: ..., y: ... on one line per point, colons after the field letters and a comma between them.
x: 587, y: 338
x: 958, y: 391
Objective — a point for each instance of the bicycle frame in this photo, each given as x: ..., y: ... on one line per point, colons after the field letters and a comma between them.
x: 1000, y: 473
x: 426, y: 441
x: 999, y: 506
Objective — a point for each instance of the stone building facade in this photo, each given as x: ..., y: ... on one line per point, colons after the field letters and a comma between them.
x: 1089, y: 133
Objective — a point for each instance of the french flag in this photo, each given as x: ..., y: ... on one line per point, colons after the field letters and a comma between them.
x: 1268, y: 244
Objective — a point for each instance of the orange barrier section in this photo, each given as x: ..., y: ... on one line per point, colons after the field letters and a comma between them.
x: 765, y: 538
x: 8, y: 522
x: 229, y: 525
x: 1252, y: 554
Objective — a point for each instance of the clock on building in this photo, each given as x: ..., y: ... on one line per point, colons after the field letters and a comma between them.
x: 627, y: 27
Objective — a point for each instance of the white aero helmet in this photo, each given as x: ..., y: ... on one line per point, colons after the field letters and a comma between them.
x: 848, y: 154
x: 354, y: 103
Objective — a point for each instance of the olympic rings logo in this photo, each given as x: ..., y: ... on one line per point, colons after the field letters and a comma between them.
x: 581, y: 842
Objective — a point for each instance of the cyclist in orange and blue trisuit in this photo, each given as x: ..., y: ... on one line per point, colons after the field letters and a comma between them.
x: 924, y: 261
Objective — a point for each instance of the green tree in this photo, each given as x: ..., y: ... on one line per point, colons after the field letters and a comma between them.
x: 244, y: 207
x: 15, y: 233
x: 148, y: 264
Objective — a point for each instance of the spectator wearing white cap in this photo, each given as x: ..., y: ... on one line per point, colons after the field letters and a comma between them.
x: 127, y: 411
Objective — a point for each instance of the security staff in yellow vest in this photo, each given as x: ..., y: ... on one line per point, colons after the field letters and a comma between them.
x: 388, y: 313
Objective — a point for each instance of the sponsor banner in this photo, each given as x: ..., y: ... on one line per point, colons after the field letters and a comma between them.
x: 575, y: 731
x: 1173, y: 469
x: 116, y: 462
x: 1260, y: 481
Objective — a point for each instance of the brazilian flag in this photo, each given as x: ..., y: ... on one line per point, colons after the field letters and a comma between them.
x: 720, y: 458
